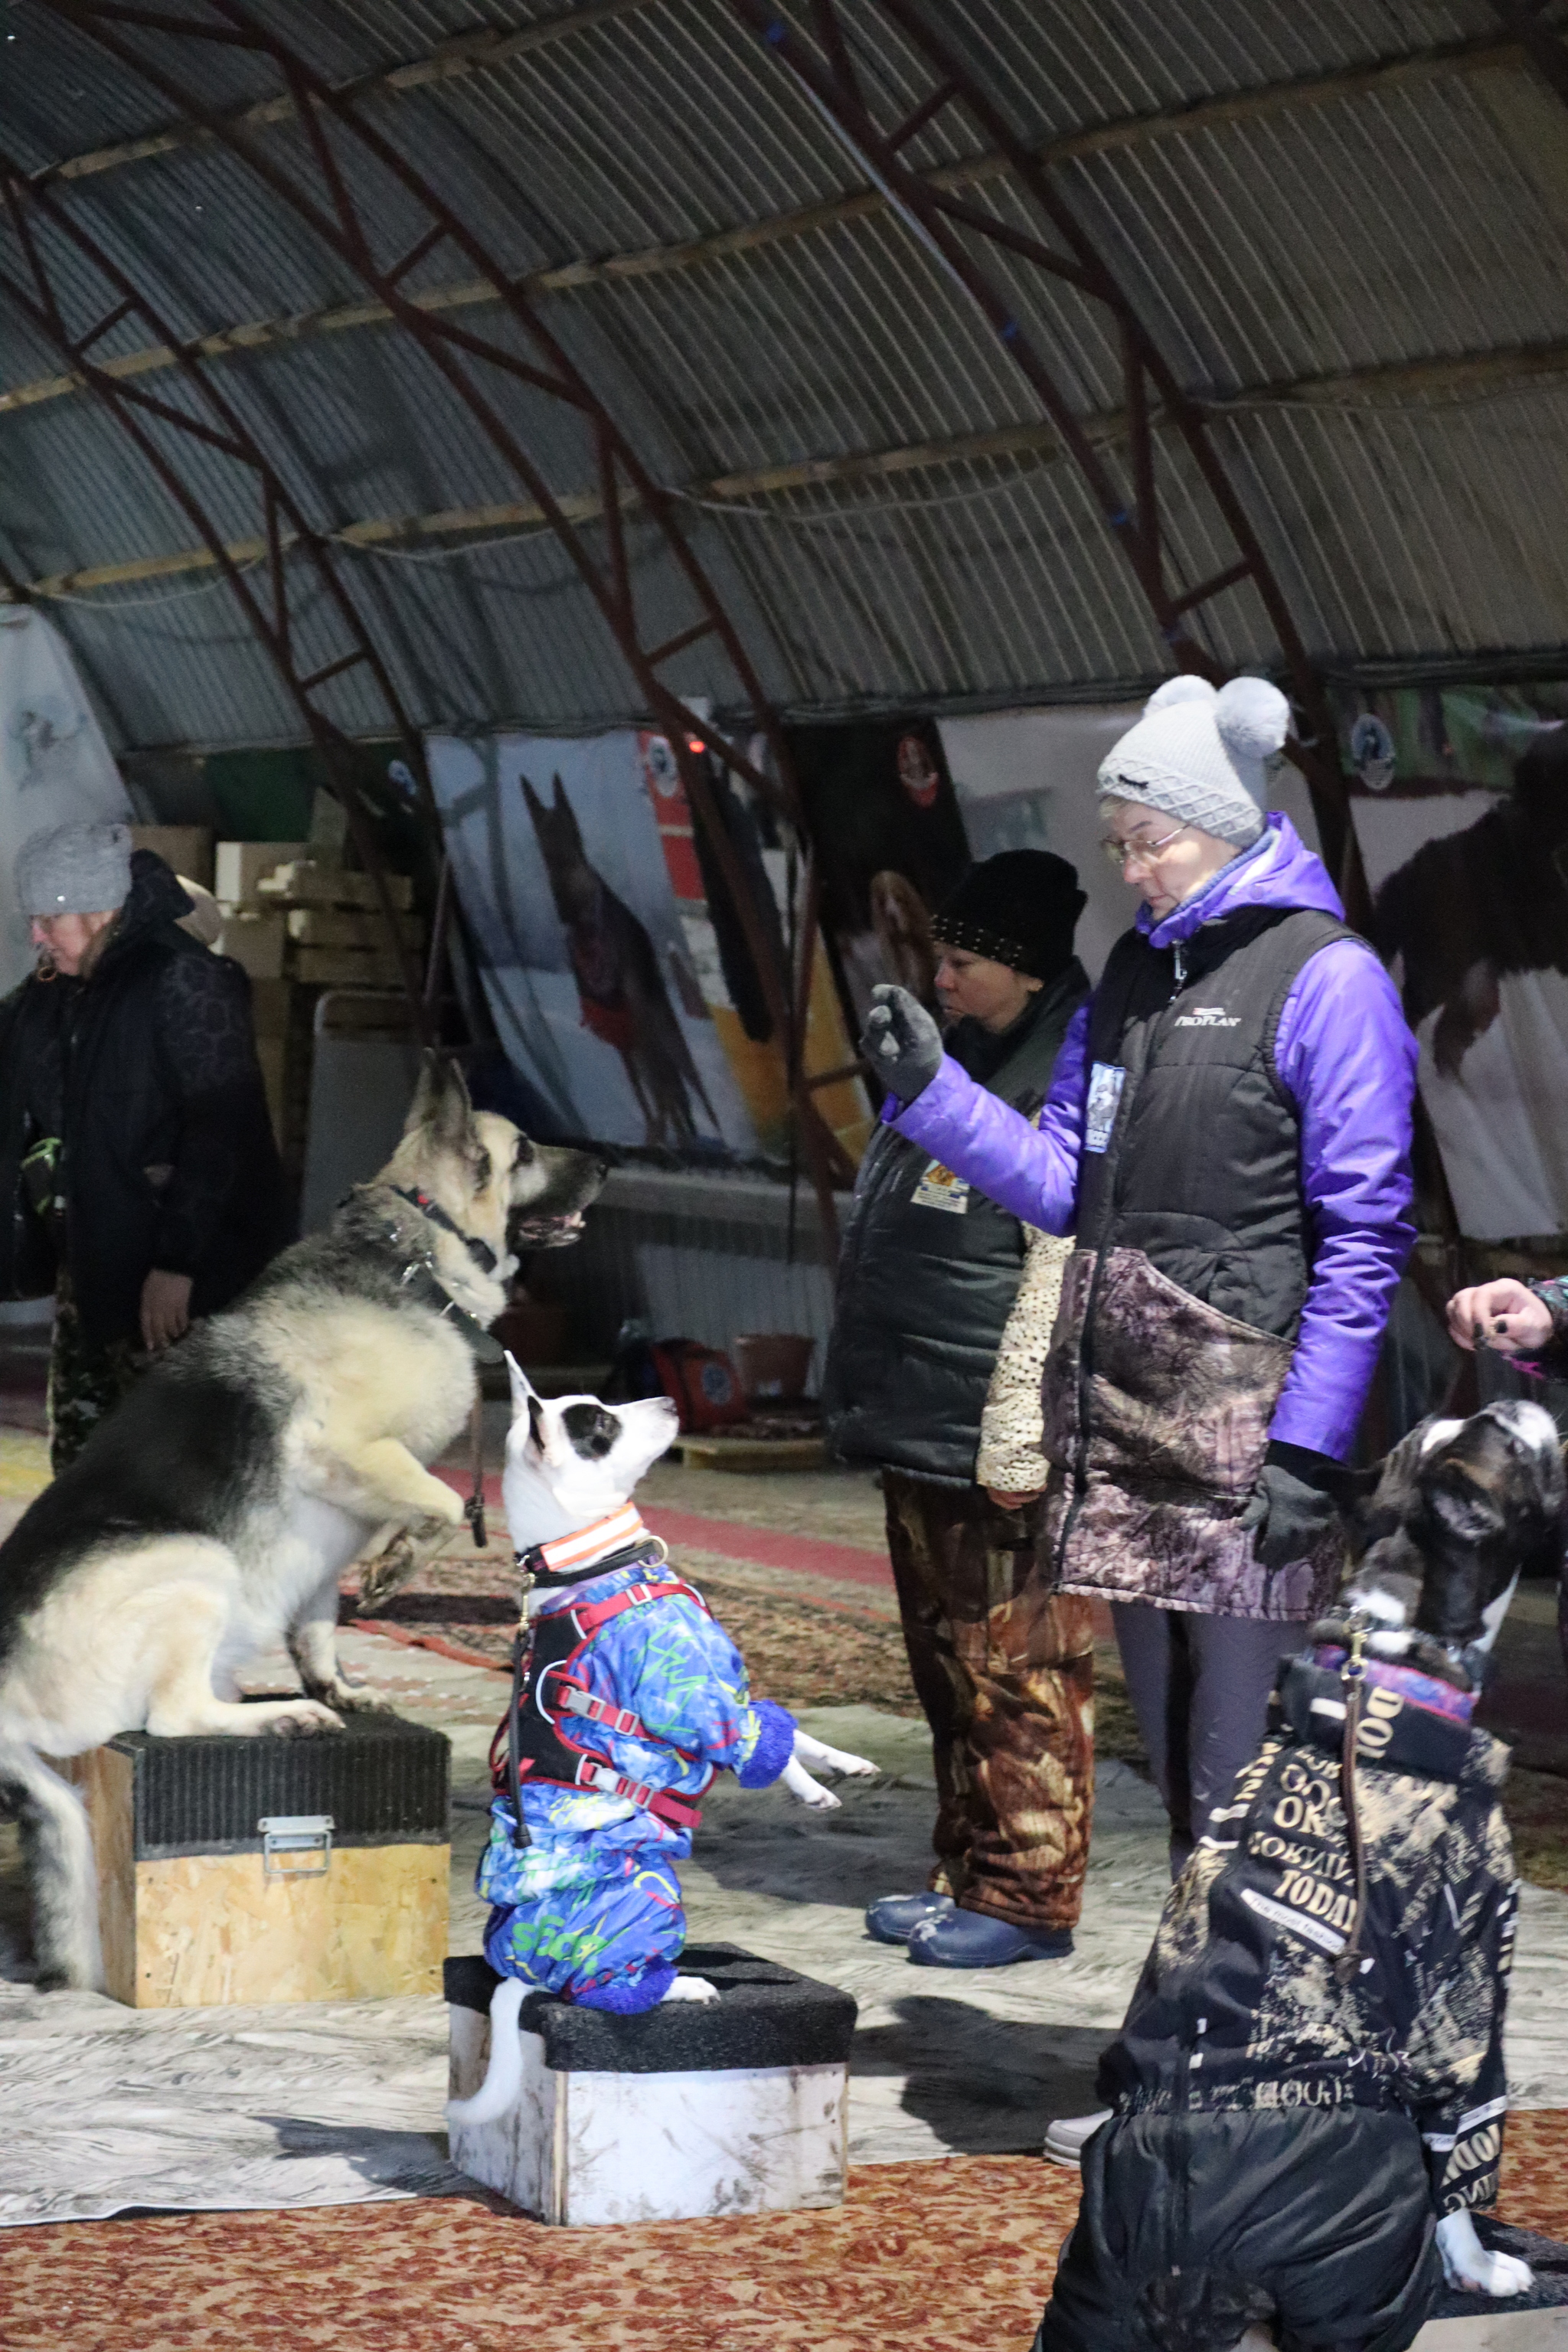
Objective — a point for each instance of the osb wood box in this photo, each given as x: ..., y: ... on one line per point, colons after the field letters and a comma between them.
x: 740, y: 2105
x: 341, y: 1896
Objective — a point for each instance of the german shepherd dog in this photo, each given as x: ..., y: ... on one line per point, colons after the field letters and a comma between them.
x: 213, y: 1513
x: 619, y: 982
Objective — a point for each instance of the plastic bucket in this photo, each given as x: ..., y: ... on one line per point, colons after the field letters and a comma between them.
x: 774, y: 1365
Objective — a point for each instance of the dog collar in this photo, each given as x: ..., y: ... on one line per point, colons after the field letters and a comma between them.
x: 1415, y: 1688
x: 484, y: 1258
x: 612, y: 1542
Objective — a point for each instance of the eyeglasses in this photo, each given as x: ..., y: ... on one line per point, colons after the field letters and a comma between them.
x: 1123, y: 854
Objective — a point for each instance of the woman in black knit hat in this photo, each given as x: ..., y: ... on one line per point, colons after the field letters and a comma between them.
x: 928, y: 1276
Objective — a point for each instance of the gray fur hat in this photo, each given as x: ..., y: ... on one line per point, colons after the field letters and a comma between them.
x: 74, y: 870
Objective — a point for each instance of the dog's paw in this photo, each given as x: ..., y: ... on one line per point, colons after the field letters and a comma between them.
x: 823, y: 1758
x: 345, y: 1697
x: 1494, y: 2275
x: 806, y: 1791
x: 300, y: 1718
x: 1508, y: 2276
x: 1468, y: 2265
x: 690, y: 1988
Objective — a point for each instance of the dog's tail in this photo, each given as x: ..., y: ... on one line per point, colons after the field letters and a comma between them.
x: 57, y: 1843
x: 503, y: 2076
x: 1202, y: 2310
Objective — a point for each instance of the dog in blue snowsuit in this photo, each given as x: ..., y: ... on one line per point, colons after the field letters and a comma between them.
x: 628, y: 1698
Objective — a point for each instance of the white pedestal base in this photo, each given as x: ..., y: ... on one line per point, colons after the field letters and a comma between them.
x: 596, y: 2149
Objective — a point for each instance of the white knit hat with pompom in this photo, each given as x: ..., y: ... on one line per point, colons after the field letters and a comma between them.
x: 1202, y: 756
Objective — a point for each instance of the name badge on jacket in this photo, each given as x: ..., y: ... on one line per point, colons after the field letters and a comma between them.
x: 1106, y: 1080
x: 939, y: 1188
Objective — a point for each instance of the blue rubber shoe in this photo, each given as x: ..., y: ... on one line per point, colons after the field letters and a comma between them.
x: 968, y: 1939
x: 894, y: 1918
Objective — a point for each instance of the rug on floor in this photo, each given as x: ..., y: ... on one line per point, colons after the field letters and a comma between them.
x: 950, y: 2257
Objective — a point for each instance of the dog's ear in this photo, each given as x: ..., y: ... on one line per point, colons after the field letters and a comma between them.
x: 441, y: 1107
x: 526, y: 1400
x: 536, y: 807
x: 565, y: 815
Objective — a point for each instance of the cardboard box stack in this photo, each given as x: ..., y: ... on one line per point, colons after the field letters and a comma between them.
x: 300, y: 924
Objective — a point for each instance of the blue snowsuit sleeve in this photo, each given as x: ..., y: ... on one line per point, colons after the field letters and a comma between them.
x: 691, y: 1688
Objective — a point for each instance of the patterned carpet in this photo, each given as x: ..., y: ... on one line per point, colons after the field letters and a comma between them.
x: 952, y: 2257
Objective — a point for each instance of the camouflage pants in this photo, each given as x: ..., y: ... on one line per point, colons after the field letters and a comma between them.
x: 1005, y: 1671
x: 86, y: 1378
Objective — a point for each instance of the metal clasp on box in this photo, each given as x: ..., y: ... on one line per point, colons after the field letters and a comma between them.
x: 306, y: 1837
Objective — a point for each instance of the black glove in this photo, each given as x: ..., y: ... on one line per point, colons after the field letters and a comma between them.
x: 901, y: 1042
x: 1293, y: 1505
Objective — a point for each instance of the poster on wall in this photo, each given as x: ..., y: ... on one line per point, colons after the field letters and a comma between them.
x: 890, y: 843
x: 55, y: 766
x: 623, y: 984
x: 1460, y: 799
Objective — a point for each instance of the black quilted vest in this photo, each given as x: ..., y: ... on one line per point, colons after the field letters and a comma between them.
x: 923, y: 1294
x: 1193, y: 1153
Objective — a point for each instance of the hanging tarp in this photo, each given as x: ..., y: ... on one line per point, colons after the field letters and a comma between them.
x: 55, y: 766
x: 1462, y: 809
x: 620, y: 978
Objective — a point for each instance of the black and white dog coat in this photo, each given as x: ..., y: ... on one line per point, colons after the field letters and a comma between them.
x: 1283, y: 2143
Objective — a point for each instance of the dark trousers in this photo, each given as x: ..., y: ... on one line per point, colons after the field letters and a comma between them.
x: 1324, y: 2215
x: 88, y: 1378
x: 1199, y: 1688
x: 1005, y: 1671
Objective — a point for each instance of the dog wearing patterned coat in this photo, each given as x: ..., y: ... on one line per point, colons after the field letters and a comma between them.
x: 1308, y: 2094
x: 629, y: 1699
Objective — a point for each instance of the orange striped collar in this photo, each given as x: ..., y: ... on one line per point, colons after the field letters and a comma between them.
x: 571, y: 1555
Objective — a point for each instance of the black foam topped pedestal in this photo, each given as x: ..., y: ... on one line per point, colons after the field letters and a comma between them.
x: 382, y: 1782
x: 764, y: 2016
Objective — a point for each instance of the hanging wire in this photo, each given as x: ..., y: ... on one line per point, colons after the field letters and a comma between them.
x: 105, y: 603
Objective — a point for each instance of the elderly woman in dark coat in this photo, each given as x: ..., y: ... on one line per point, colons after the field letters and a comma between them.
x: 139, y: 1176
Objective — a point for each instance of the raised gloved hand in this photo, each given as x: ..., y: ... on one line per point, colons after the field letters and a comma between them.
x: 1293, y: 1505
x: 901, y: 1042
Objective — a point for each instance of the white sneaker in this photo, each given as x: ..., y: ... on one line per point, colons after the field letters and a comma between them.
x: 1065, y: 2138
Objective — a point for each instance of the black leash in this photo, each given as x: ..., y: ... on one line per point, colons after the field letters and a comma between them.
x: 474, y: 1508
x: 1353, y: 1683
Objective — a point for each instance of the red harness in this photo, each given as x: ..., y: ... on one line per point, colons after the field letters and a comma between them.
x: 531, y: 1741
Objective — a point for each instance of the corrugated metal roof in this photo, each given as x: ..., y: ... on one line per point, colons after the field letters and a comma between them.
x: 1420, y: 219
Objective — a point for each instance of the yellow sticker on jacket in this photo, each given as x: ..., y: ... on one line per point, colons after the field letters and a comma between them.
x: 939, y: 1188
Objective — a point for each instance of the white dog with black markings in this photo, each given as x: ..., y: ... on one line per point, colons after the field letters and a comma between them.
x: 627, y: 1699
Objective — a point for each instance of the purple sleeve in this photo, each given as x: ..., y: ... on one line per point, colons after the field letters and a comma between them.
x: 1349, y: 1061
x: 1030, y: 1171
x: 774, y: 1746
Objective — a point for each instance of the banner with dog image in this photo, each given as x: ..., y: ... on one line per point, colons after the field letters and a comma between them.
x: 621, y: 979
x: 1460, y: 799
x: 55, y: 766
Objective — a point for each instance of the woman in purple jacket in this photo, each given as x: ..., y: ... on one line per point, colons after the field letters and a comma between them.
x: 1227, y: 1136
